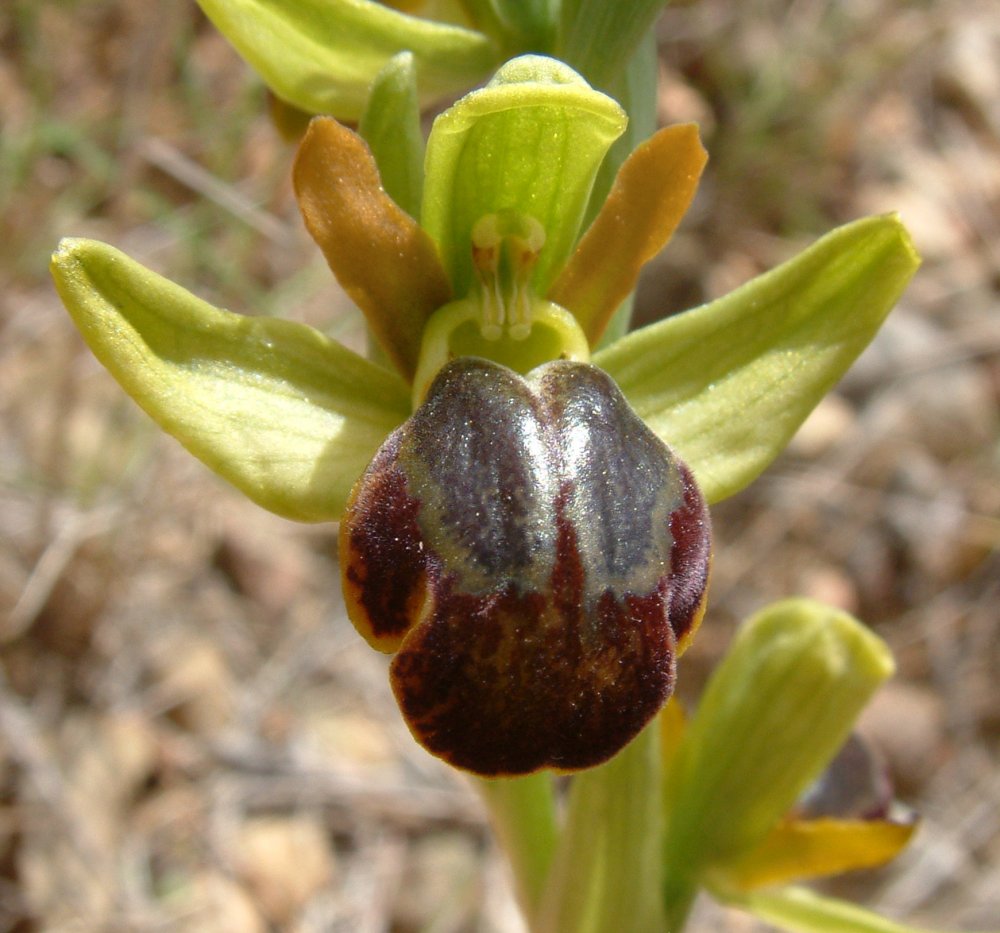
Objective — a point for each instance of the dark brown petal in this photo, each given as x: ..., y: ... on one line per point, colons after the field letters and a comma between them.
x: 534, y: 551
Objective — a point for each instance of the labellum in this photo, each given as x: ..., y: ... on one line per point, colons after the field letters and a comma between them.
x: 535, y: 557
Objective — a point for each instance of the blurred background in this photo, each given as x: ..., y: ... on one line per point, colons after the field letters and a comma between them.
x: 192, y: 737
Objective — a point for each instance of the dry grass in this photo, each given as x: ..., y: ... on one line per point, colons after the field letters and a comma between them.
x: 191, y: 738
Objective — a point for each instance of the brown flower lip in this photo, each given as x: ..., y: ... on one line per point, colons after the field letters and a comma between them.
x: 534, y: 555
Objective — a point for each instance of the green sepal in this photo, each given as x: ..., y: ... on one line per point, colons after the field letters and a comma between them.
x: 391, y: 127
x: 773, y: 715
x: 530, y: 143
x: 729, y: 383
x: 288, y: 416
x: 800, y: 910
x: 322, y: 55
x: 598, y: 38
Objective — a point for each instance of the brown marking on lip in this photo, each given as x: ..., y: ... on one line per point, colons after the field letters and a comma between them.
x: 568, y: 577
x: 690, y: 561
x: 505, y: 685
x: 512, y: 683
x: 382, y: 559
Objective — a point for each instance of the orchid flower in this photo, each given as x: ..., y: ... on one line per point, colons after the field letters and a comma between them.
x: 562, y: 535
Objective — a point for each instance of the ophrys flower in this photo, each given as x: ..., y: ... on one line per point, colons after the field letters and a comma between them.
x: 497, y: 270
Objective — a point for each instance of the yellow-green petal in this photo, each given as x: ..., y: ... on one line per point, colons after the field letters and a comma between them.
x: 651, y: 193
x: 379, y: 254
x: 797, y: 850
x: 288, y: 416
x: 799, y: 910
x: 529, y: 144
x: 727, y: 384
x: 322, y: 55
x: 774, y: 713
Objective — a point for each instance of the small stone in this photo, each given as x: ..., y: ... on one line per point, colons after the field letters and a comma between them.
x: 830, y: 585
x: 196, y: 685
x: 827, y: 425
x: 907, y: 724
x: 270, y: 571
x: 354, y: 740
x: 217, y: 904
x: 441, y: 889
x: 285, y: 862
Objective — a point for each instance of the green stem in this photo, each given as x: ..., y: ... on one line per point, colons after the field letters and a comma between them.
x: 606, y: 874
x: 678, y: 900
x: 523, y: 813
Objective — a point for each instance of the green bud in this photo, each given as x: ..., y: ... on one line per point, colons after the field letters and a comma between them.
x: 776, y: 710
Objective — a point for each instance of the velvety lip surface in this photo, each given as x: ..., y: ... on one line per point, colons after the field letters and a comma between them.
x: 533, y: 554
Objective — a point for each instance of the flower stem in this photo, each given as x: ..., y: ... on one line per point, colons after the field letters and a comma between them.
x: 606, y: 874
x: 678, y: 899
x: 522, y: 811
